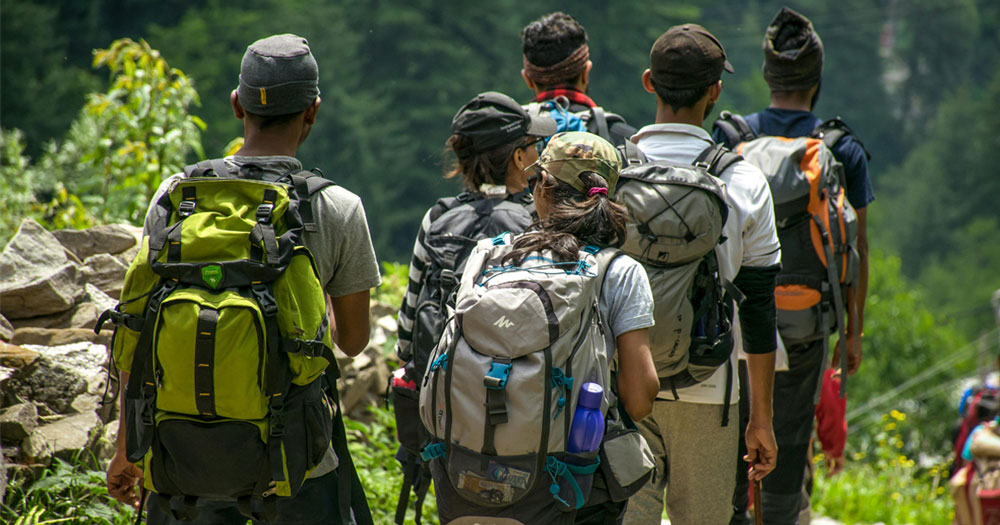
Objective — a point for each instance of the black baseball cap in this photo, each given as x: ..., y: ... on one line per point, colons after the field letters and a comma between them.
x: 687, y: 56
x: 491, y: 119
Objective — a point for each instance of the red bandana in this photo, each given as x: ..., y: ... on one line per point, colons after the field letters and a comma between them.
x: 575, y: 96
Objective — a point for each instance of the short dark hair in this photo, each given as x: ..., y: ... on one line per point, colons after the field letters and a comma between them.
x: 271, y: 121
x: 680, y: 98
x: 552, y: 38
x: 487, y: 167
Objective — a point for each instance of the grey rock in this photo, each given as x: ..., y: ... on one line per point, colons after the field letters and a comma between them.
x: 106, y: 238
x: 100, y: 299
x: 86, y: 403
x: 6, y: 329
x: 353, y: 391
x: 106, y: 272
x: 84, y: 315
x: 55, y: 292
x: 42, y: 279
x: 387, y: 323
x: 62, y: 439
x: 17, y: 422
x: 60, y: 336
x: 13, y: 356
x: 106, y: 444
x: 60, y: 375
x: 380, y: 309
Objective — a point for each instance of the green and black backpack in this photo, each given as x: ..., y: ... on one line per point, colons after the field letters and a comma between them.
x: 222, y: 324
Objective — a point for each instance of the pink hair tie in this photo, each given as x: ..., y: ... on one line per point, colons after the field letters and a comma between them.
x: 595, y: 191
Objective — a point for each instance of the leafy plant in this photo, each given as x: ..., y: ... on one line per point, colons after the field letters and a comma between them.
x: 395, y: 277
x: 145, y: 128
x: 885, y: 482
x: 373, y: 448
x: 66, y: 492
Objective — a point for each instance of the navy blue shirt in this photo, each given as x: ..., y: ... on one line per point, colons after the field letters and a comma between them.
x: 796, y: 123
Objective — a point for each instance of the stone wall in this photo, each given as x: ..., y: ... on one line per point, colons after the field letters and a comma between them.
x: 55, y: 396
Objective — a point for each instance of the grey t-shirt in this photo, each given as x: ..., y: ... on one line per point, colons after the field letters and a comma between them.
x: 342, y: 248
x: 626, y: 299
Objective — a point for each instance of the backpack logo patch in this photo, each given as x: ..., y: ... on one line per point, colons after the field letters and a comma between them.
x: 212, y: 275
x: 503, y: 322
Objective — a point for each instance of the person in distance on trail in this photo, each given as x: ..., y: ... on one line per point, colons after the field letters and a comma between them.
x: 277, y: 99
x: 792, y: 68
x: 557, y: 64
x: 684, y: 431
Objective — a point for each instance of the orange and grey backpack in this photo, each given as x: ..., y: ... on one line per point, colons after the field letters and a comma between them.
x: 817, y: 226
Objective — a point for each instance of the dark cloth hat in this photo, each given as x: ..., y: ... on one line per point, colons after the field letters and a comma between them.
x: 278, y: 76
x: 686, y: 57
x: 491, y: 119
x: 793, y: 53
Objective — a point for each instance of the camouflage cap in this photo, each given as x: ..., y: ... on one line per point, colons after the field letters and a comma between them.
x: 569, y: 154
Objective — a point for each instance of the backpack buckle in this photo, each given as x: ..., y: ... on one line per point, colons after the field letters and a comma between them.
x: 264, y: 212
x: 277, y: 422
x: 496, y: 378
x: 186, y: 208
x: 265, y: 299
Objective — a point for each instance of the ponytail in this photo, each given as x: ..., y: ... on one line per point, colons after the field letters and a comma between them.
x: 575, y: 220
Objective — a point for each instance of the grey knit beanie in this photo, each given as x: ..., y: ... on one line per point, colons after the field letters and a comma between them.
x: 278, y: 76
x: 793, y: 53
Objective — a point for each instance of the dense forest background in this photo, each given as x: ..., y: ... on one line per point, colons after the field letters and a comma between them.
x: 917, y: 79
x: 91, y: 123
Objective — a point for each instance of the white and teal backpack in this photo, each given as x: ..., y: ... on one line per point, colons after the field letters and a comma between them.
x: 501, y: 390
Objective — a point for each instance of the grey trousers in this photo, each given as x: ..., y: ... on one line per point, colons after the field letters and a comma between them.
x: 695, y: 460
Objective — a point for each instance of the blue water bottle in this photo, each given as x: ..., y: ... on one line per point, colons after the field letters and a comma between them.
x: 587, y: 430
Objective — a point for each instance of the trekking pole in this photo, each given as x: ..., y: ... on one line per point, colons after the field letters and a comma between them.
x: 758, y: 509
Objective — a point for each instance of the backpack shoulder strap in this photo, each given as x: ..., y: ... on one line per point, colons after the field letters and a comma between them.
x: 207, y: 168
x: 832, y: 131
x: 604, y: 259
x: 734, y: 128
x: 600, y: 120
x: 446, y: 204
x: 306, y: 184
x: 716, y: 159
x: 631, y: 155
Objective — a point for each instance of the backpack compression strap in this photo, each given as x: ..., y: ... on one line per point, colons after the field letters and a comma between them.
x: 716, y: 159
x: 601, y: 122
x: 835, y: 129
x: 631, y: 155
x: 735, y: 128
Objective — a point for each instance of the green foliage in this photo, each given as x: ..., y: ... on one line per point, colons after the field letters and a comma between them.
x: 145, y: 129
x: 938, y: 208
x: 15, y: 183
x: 395, y: 277
x: 911, y: 360
x: 885, y: 484
x: 42, y: 91
x: 67, y: 492
x: 373, y: 447
x: 116, y: 152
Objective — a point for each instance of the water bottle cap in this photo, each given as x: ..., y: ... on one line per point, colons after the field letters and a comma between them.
x: 591, y: 395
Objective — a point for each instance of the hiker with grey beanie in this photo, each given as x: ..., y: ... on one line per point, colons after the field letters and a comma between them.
x: 793, y: 68
x: 277, y: 98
